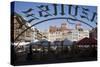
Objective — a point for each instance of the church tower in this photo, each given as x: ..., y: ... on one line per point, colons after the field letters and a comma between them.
x: 78, y: 26
x: 63, y: 26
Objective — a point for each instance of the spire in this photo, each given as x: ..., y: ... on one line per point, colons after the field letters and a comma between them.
x: 78, y: 26
x: 64, y: 26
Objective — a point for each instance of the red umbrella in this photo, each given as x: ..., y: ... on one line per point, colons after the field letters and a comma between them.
x: 87, y: 41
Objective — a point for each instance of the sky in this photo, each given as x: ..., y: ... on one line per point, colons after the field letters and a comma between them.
x: 24, y: 6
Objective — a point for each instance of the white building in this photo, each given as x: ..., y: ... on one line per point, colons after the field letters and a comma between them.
x: 63, y: 32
